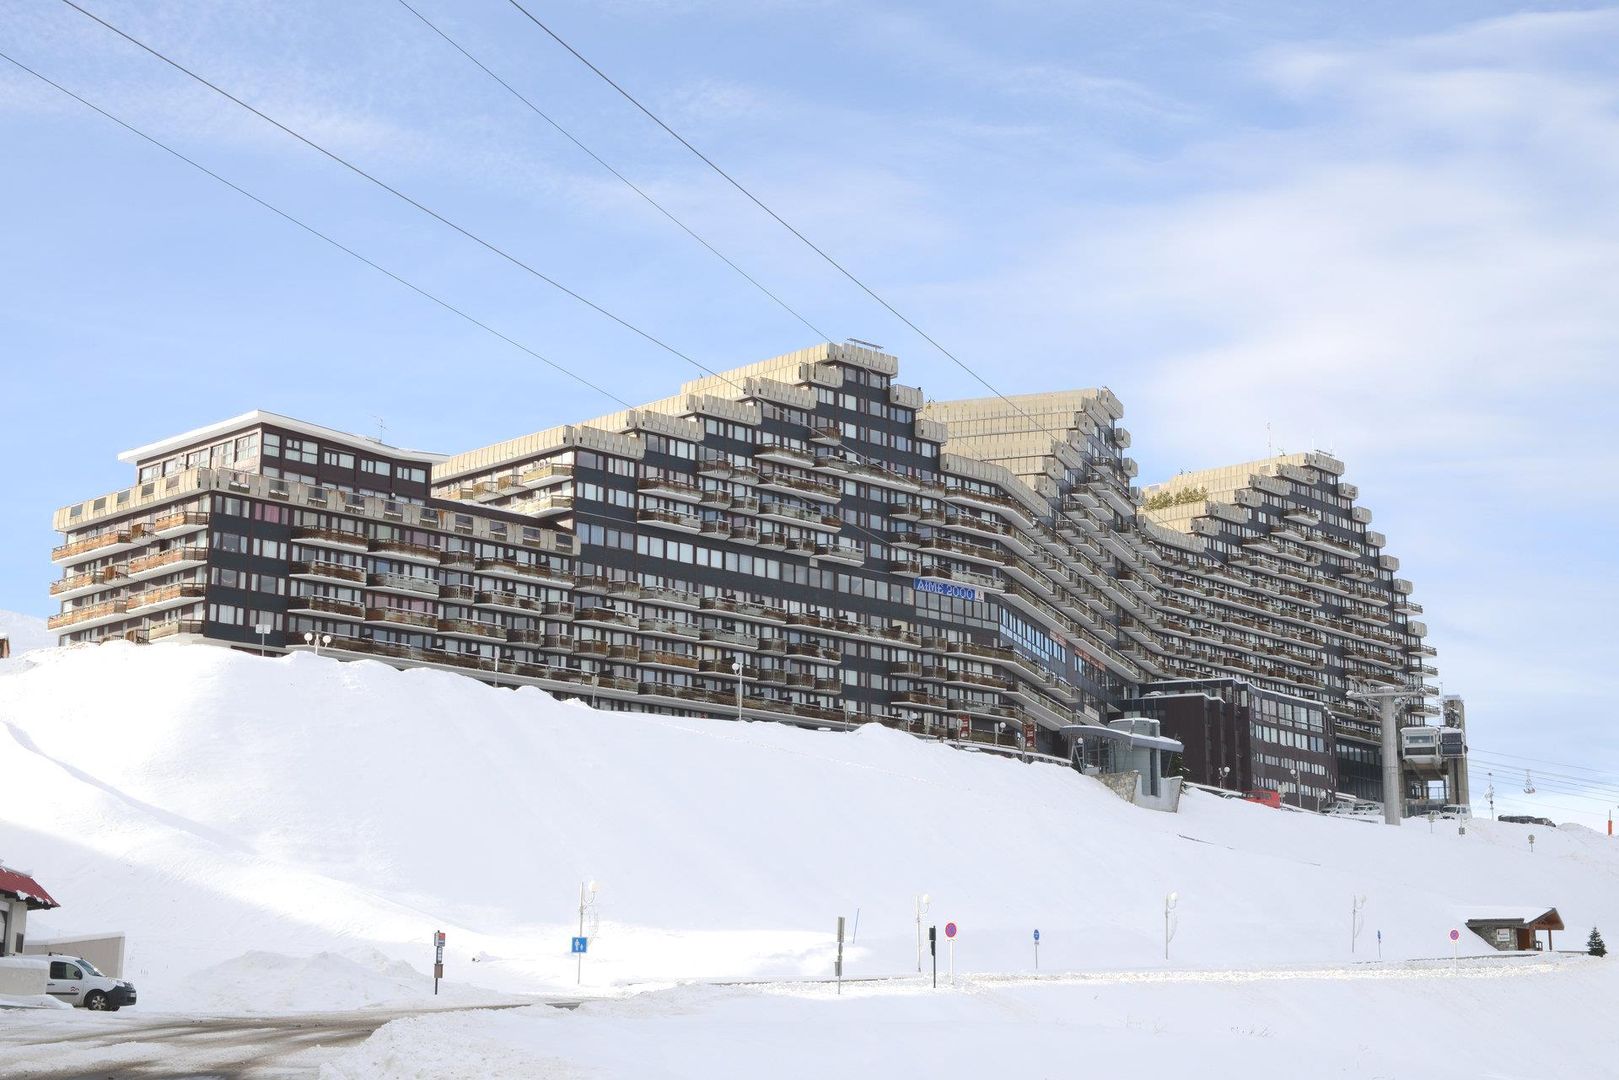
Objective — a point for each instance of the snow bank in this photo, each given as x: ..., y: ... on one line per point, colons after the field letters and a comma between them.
x: 212, y: 803
x: 1370, y: 1022
x: 267, y: 982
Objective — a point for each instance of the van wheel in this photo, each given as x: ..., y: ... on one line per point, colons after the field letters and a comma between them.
x: 95, y: 1001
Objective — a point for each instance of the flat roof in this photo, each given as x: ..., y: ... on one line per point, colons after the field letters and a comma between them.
x: 260, y: 416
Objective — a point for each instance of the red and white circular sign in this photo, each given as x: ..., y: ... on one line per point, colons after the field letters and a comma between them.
x: 950, y: 929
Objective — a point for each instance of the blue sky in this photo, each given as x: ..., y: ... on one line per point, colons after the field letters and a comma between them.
x: 1384, y: 229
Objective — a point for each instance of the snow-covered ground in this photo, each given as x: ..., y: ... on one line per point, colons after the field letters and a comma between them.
x: 1442, y: 1021
x: 282, y: 834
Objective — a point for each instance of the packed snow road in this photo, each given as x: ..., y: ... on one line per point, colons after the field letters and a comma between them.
x: 81, y: 1046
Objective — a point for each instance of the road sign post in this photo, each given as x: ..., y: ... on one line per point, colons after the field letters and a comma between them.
x: 587, y: 899
x: 1455, y: 936
x: 1380, y: 944
x: 438, y: 959
x: 950, y: 933
x: 933, y: 951
x: 1037, y: 950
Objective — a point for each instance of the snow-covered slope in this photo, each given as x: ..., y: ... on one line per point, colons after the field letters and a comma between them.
x: 213, y: 803
x: 25, y: 632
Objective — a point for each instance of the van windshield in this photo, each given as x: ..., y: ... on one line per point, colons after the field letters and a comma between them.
x: 89, y: 968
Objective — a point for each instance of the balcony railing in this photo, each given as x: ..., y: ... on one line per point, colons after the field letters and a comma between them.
x: 150, y: 563
x: 86, y: 614
x: 399, y: 617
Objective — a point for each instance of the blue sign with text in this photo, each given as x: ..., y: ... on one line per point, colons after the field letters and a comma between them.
x: 945, y: 588
x: 581, y: 944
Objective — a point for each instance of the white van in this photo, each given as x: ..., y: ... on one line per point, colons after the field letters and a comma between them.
x: 76, y: 981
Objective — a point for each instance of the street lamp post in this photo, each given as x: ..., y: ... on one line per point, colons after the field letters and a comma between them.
x: 1225, y: 771
x: 1000, y: 729
x: 1298, y: 796
x: 1169, y: 909
x: 263, y: 631
x: 921, y: 910
x: 736, y: 666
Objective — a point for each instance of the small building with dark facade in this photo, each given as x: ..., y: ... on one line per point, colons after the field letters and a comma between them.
x: 1516, y: 930
x: 1242, y: 737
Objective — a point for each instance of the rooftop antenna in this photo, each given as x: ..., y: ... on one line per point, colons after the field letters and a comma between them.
x: 1270, y: 447
x: 864, y: 344
x: 381, y: 427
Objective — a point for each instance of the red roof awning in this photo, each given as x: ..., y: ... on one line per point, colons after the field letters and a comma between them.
x: 21, y: 885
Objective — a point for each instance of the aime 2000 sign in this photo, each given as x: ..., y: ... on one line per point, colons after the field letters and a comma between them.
x: 945, y: 588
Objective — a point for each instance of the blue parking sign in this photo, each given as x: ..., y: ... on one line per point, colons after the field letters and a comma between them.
x: 1037, y: 935
x: 581, y: 944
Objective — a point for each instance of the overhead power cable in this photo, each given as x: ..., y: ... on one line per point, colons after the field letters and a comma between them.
x: 626, y: 181
x: 783, y: 222
x: 437, y: 217
x: 1567, y: 779
x: 1546, y: 761
x: 306, y: 227
x: 398, y: 194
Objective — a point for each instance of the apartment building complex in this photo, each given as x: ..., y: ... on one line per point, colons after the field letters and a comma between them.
x: 803, y: 539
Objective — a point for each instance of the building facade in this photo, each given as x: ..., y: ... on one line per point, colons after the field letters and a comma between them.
x: 804, y: 539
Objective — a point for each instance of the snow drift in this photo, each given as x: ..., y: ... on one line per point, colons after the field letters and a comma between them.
x: 212, y: 804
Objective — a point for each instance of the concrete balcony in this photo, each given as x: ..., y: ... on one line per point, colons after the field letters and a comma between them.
x: 532, y: 573
x: 671, y: 598
x: 670, y: 519
x: 166, y: 562
x: 509, y: 601
x: 546, y: 475
x: 181, y: 523
x: 174, y: 628
x: 773, y: 510
x: 842, y: 551
x: 668, y: 628
x: 331, y: 538
x: 671, y: 661
x: 606, y: 616
x: 472, y: 629
x: 405, y: 551
x: 319, y: 570
x: 326, y: 606
x: 162, y: 599
x: 76, y: 585
x: 733, y: 638
x: 814, y: 654
x: 668, y: 487
x: 742, y: 609
x: 89, y: 616
x: 785, y: 455
x: 540, y: 506
x: 102, y: 544
x: 402, y: 585
x: 397, y: 617
x: 806, y: 487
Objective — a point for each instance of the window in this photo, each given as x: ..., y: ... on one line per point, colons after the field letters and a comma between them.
x: 60, y: 969
x: 376, y: 468
x: 305, y: 450
x: 338, y: 459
